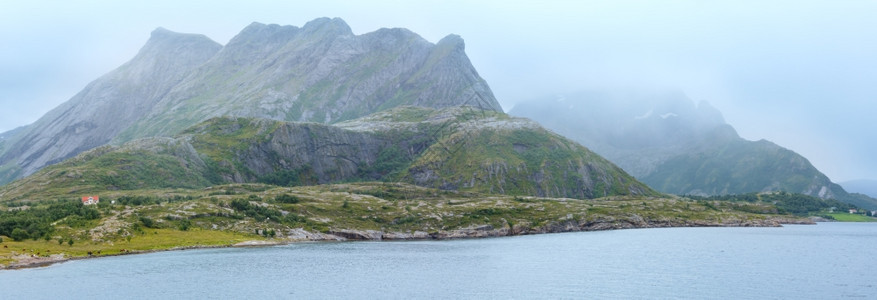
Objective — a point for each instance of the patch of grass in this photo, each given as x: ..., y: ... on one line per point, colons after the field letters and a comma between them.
x: 845, y: 217
x: 152, y: 239
x: 169, y: 238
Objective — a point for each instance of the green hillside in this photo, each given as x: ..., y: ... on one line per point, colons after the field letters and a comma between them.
x: 742, y: 167
x: 461, y: 148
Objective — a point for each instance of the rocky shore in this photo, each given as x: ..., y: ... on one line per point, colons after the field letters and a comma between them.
x: 607, y: 223
x: 482, y: 231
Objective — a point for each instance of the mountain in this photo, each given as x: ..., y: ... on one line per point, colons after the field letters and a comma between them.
x: 636, y: 130
x: 107, y: 105
x: 320, y: 72
x: 6, y: 135
x: 861, y: 186
x: 459, y: 148
x: 675, y: 146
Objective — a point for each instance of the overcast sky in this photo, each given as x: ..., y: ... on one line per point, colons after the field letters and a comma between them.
x: 802, y: 74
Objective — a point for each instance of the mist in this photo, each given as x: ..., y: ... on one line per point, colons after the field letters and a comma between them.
x: 798, y: 73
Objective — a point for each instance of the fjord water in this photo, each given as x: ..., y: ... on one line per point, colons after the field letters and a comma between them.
x: 825, y: 261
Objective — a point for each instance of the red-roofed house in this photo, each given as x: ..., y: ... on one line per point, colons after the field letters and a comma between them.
x: 89, y: 200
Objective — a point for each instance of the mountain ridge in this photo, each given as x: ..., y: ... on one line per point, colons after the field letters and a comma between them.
x: 320, y: 72
x: 324, y: 88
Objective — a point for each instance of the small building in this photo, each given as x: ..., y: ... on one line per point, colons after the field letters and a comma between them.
x: 853, y: 210
x: 89, y: 200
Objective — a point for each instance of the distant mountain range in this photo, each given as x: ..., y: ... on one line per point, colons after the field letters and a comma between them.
x: 861, y: 186
x: 297, y: 106
x: 675, y: 146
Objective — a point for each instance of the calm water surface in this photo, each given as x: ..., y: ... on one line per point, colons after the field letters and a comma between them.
x: 826, y: 261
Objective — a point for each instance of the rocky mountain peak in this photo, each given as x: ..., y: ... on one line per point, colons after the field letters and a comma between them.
x: 162, y: 39
x: 320, y: 72
x: 327, y: 26
x: 258, y: 32
x: 160, y: 31
x: 280, y: 34
x: 452, y: 40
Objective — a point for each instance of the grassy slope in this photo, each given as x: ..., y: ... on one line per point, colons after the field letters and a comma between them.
x: 525, y: 161
x: 105, y: 170
x: 738, y: 167
x: 490, y: 152
x: 744, y: 166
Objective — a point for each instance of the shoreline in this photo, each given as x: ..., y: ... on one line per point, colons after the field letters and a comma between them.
x: 472, y: 232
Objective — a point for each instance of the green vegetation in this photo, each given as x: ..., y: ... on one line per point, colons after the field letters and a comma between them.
x: 36, y: 222
x: 156, y: 239
x: 847, y: 217
x: 286, y: 198
x: 785, y: 203
x: 740, y: 167
x: 859, y: 200
x: 288, y: 177
x: 224, y: 215
x: 521, y: 161
x: 391, y: 161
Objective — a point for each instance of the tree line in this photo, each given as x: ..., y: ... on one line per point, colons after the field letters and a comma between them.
x: 36, y: 222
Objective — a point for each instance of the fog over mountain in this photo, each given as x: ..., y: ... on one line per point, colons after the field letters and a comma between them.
x: 636, y: 129
x: 867, y: 187
x: 797, y: 73
x: 676, y: 146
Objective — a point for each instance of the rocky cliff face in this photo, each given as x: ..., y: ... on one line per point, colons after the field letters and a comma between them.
x: 320, y: 72
x: 253, y: 150
x: 676, y: 147
x: 460, y: 148
x: 107, y: 105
